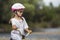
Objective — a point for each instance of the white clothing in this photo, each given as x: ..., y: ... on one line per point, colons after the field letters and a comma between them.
x: 21, y: 25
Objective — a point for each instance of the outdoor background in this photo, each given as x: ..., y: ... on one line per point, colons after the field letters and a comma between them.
x: 36, y: 13
x: 42, y: 16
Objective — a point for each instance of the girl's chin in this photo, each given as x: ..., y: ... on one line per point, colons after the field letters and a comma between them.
x: 20, y: 16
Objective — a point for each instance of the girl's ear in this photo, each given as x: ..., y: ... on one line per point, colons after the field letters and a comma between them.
x: 15, y: 12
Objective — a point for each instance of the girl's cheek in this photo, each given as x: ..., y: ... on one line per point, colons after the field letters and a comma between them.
x: 20, y: 14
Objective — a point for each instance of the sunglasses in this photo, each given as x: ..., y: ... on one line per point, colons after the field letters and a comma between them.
x: 20, y: 10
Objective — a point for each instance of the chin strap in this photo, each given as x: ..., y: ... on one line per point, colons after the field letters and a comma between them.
x: 17, y: 14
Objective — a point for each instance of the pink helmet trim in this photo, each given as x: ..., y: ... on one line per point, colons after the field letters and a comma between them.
x: 17, y: 9
x: 17, y: 6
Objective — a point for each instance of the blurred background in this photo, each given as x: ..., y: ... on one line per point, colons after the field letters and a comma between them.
x: 41, y: 15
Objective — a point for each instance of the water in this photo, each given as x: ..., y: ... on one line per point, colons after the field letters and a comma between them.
x: 37, y: 35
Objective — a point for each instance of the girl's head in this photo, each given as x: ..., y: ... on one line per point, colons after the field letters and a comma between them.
x: 18, y: 8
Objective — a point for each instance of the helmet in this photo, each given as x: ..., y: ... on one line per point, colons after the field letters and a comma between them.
x: 17, y: 6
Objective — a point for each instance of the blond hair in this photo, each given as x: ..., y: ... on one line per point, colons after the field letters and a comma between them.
x: 12, y: 16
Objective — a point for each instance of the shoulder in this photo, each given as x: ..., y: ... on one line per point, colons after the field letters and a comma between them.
x: 23, y: 18
x: 12, y: 19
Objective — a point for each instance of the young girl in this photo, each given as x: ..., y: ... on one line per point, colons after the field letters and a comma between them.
x: 18, y: 22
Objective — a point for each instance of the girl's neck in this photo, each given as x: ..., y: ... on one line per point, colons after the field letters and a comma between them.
x: 18, y: 18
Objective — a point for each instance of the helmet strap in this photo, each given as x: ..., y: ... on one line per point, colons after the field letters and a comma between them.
x: 17, y: 14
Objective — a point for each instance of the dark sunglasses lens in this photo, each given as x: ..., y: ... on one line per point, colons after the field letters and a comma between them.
x: 21, y: 11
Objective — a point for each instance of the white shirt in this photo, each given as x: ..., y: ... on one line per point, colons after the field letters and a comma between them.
x: 20, y: 24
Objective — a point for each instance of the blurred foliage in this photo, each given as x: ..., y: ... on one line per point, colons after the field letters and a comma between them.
x: 45, y: 17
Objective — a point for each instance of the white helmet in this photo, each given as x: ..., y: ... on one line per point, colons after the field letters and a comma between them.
x: 17, y: 6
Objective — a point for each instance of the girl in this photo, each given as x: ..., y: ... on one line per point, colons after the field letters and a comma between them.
x: 18, y: 22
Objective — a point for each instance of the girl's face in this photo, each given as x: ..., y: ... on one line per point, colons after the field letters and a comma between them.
x: 20, y: 12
